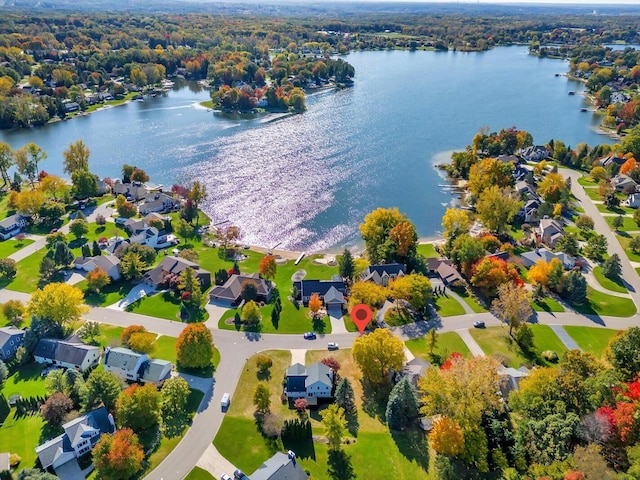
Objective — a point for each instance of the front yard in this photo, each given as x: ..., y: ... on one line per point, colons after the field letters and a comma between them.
x: 591, y: 339
x: 11, y: 246
x: 447, y: 343
x: 599, y: 303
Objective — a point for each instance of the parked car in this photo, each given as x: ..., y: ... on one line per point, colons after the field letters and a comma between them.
x: 238, y: 475
x: 225, y: 477
x: 479, y: 324
x: 225, y: 402
x: 310, y: 335
x: 52, y: 231
x: 332, y: 346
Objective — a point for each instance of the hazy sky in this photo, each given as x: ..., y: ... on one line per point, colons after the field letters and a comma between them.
x: 563, y: 2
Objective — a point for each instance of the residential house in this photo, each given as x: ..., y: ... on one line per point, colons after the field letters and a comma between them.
x: 133, y: 190
x: 67, y: 354
x: 176, y: 265
x: 532, y: 257
x: 526, y: 190
x: 633, y: 201
x: 103, y: 187
x: 414, y: 369
x: 109, y: 263
x: 114, y: 242
x: 534, y: 153
x: 158, y: 202
x: 12, y: 225
x: 71, y: 107
x: 528, y: 213
x: 509, y: 159
x: 510, y: 379
x: 280, y: 467
x: 312, y: 382
x: 550, y: 231
x: 136, y: 366
x: 381, y: 274
x: 80, y: 436
x: 136, y: 225
x: 609, y: 159
x: 155, y: 238
x: 433, y: 263
x: 448, y: 273
x: 306, y: 288
x: 230, y: 292
x: 11, y: 338
x: 622, y: 182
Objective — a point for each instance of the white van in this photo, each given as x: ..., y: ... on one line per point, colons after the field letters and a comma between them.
x: 226, y: 400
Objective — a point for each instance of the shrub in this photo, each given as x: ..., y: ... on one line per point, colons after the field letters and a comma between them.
x: 263, y: 363
x: 550, y: 356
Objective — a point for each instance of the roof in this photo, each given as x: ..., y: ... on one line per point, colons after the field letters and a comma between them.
x: 232, y: 288
x: 106, y: 262
x: 61, y: 351
x: 175, y: 265
x: 319, y: 372
x: 124, y: 358
x: 155, y: 370
x: 4, y: 461
x: 448, y: 273
x: 279, y: 467
x: 321, y: 287
x: 6, y: 333
x: 53, y: 449
x: 300, y: 377
x: 334, y: 296
x: 532, y: 257
x: 433, y: 263
x: 388, y: 268
x: 551, y: 225
x: 10, y: 221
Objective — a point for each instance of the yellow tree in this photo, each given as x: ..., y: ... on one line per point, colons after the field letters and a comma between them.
x: 539, y: 273
x: 552, y: 186
x: 446, y: 437
x: 375, y: 232
x: 53, y: 185
x: 377, y: 354
x: 455, y: 221
x: 29, y: 202
x: 59, y: 302
x: 489, y: 172
x: 497, y: 207
x: 512, y: 305
x: 405, y: 238
x: 315, y: 303
x: 414, y: 288
x: 76, y: 157
x: 368, y: 293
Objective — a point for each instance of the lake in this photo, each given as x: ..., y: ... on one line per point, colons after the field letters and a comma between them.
x: 305, y: 182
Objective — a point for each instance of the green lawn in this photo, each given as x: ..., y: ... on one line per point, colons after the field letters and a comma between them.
x: 471, y: 301
x: 496, y: 341
x: 166, y: 348
x: 161, y: 305
x: 593, y: 193
x: 109, y: 336
x: 26, y: 381
x: 22, y: 435
x: 28, y: 276
x: 618, y: 210
x: 607, y: 283
x: 591, y: 339
x: 624, y: 241
x: 405, y: 455
x: 447, y: 343
x: 447, y: 306
x: 587, y: 181
x: 599, y: 303
x: 198, y: 473
x: 427, y: 250
x: 547, y: 304
x: 109, y: 294
x: 11, y: 246
x: 95, y: 232
x: 628, y: 224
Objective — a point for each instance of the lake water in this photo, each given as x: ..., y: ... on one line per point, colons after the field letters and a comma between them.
x: 306, y: 182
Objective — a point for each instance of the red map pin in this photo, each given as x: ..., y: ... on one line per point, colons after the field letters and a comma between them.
x: 361, y: 315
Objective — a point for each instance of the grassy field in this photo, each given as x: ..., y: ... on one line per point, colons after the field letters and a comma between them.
x: 471, y: 301
x: 628, y: 225
x: 427, y: 250
x: 109, y: 294
x: 447, y: 306
x: 166, y: 348
x: 547, y: 304
x: 593, y: 193
x: 599, y: 303
x: 447, y: 343
x: 25, y: 382
x: 28, y: 276
x: 624, y: 241
x: 22, y: 435
x: 496, y: 341
x: 405, y: 455
x: 198, y: 473
x: 617, y: 210
x: 607, y: 283
x: 587, y: 181
x: 591, y: 339
x: 9, y: 247
x: 161, y: 305
x: 109, y: 336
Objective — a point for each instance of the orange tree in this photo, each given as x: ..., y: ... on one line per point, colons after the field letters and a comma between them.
x: 194, y: 347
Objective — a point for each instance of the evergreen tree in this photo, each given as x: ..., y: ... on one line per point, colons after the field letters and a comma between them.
x: 345, y: 397
x: 95, y: 249
x: 575, y: 287
x: 62, y: 255
x: 611, y: 268
x: 402, y: 407
x: 346, y: 265
x: 86, y: 251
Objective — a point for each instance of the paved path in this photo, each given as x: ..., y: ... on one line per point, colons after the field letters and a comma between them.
x: 136, y: 293
x: 629, y: 275
x: 337, y: 321
x: 450, y: 293
x: 214, y: 463
x: 475, y: 349
x: 408, y: 355
x: 298, y: 355
x: 565, y: 338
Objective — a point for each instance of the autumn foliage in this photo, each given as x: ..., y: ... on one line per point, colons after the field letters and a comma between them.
x: 489, y: 273
x: 118, y: 456
x: 628, y: 166
x: 447, y: 437
x: 315, y: 303
x: 268, y: 266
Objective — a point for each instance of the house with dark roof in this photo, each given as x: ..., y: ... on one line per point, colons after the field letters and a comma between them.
x: 282, y: 466
x: 230, y: 292
x: 534, y: 256
x: 611, y: 158
x: 550, y: 231
x: 110, y: 264
x: 382, y: 274
x: 67, y: 354
x: 528, y: 213
x: 80, y: 436
x: 622, y: 182
x: 11, y: 338
x: 12, y: 225
x: 176, y: 265
x: 534, y: 153
x: 312, y: 382
x: 136, y: 191
x: 135, y: 366
x: 306, y: 288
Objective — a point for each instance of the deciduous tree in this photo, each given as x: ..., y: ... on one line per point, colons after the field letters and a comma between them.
x: 446, y: 437
x: 512, y: 305
x: 29, y: 202
x: 262, y: 397
x: 7, y: 268
x: 13, y: 309
x: 138, y: 407
x: 139, y: 175
x: 268, y: 267
x: 194, y: 347
x: 315, y: 303
x: 375, y: 233
x: 79, y: 228
x: 84, y: 183
x: 497, y: 207
x: 377, y: 354
x: 335, y: 425
x: 89, y: 331
x: 102, y: 388
x: 118, y: 456
x: 59, y: 302
x: 455, y: 222
x: 251, y: 313
x: 623, y: 352
x: 132, y: 265
x: 368, y: 293
x: 53, y: 185
x: 405, y: 239
x: 414, y: 288
x: 55, y: 408
x: 76, y: 157
x: 174, y: 397
x: 487, y: 173
x: 552, y: 187
x: 584, y: 222
x: 127, y: 209
x: 490, y: 272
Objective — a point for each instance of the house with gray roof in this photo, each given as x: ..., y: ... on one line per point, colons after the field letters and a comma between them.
x: 611, y: 158
x: 306, y: 288
x: 67, y: 354
x: 136, y: 191
x: 532, y: 257
x: 382, y: 274
x: 80, y: 435
x: 158, y: 202
x: 136, y: 366
x: 282, y: 466
x: 230, y: 292
x: 622, y: 182
x: 110, y: 264
x: 176, y: 265
x: 11, y: 338
x: 550, y: 231
x: 12, y: 225
x: 534, y: 153
x: 312, y: 382
x: 633, y: 201
x: 510, y: 378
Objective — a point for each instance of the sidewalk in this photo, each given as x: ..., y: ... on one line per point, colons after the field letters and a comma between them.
x: 475, y: 349
x: 564, y: 337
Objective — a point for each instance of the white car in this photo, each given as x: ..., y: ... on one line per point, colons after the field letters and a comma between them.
x: 332, y: 346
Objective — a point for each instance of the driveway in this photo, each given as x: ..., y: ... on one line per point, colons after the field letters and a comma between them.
x: 136, y: 293
x: 337, y: 320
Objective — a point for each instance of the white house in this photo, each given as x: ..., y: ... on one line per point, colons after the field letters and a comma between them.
x: 12, y: 225
x: 155, y: 239
x: 550, y: 231
x: 157, y: 202
x: 633, y: 201
x: 67, y: 354
x: 135, y: 366
x: 109, y: 263
x: 621, y: 181
x: 312, y: 382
